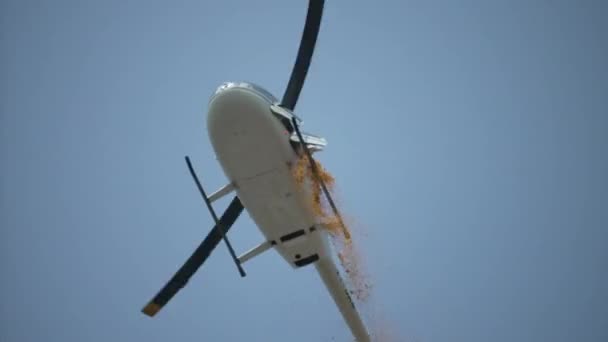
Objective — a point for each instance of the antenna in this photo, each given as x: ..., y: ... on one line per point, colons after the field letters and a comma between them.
x: 319, y: 179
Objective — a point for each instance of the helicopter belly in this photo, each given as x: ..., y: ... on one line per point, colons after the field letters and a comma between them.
x: 253, y: 149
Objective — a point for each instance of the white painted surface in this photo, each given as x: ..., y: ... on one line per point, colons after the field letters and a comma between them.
x: 253, y: 149
x: 332, y: 280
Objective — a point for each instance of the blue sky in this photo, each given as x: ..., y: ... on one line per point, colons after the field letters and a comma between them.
x: 468, y: 140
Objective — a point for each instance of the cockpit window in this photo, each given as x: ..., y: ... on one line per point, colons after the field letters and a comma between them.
x: 248, y: 85
x: 264, y: 92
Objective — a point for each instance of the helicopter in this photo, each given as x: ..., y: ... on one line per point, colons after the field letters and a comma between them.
x: 257, y: 141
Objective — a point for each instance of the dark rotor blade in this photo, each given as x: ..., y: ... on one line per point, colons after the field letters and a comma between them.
x: 195, y: 261
x: 307, y: 47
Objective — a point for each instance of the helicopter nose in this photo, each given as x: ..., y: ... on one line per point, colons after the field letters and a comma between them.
x: 246, y: 137
x: 232, y: 111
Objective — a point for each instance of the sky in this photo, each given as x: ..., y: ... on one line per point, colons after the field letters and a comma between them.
x: 467, y: 138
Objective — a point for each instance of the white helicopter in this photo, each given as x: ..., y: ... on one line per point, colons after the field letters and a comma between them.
x: 243, y: 120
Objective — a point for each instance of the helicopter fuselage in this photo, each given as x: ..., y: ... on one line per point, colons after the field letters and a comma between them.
x: 256, y: 150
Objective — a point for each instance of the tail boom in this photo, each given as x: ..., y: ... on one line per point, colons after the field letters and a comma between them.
x: 333, y: 281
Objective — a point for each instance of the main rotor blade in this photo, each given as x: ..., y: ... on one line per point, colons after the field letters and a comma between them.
x: 195, y: 261
x: 305, y: 52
